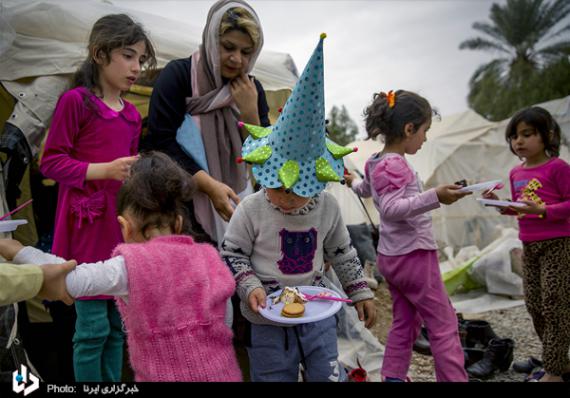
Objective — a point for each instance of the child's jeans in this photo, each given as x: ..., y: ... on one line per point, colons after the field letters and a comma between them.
x: 276, y: 352
x: 417, y: 291
x: 98, y: 341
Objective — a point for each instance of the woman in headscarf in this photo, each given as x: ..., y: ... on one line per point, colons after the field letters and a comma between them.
x: 213, y: 85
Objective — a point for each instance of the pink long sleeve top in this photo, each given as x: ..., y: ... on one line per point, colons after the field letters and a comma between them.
x: 405, y: 224
x: 550, y: 182
x: 85, y: 130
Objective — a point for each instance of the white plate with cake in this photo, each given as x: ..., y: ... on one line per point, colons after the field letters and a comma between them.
x: 285, y: 306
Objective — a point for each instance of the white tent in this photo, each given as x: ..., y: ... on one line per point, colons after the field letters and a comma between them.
x: 43, y: 42
x: 460, y: 146
x: 50, y: 38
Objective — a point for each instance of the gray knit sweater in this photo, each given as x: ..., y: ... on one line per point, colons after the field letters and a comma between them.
x: 267, y: 248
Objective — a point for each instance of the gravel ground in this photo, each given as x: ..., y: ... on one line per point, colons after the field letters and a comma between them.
x: 511, y: 323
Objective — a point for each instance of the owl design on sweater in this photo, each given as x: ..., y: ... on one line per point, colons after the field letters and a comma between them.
x: 298, y: 251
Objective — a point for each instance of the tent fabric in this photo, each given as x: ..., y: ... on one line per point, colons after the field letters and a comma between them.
x: 461, y: 146
x: 51, y: 39
x: 36, y: 99
x: 48, y: 41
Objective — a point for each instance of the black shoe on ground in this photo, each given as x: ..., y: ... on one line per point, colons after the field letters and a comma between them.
x: 527, y: 366
x: 421, y: 345
x: 472, y: 355
x: 478, y: 333
x: 497, y: 356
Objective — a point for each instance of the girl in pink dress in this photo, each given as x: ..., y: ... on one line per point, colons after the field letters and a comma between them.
x: 92, y: 142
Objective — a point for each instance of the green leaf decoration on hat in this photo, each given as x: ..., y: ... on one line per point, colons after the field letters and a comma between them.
x: 257, y: 132
x: 260, y: 155
x: 289, y: 173
x: 338, y: 151
x: 324, y: 171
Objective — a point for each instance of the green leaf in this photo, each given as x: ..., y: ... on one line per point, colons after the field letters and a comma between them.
x: 289, y: 173
x: 257, y: 132
x: 338, y: 151
x: 260, y: 155
x: 325, y: 172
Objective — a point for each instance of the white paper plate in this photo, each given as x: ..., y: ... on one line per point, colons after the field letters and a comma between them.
x: 499, y: 203
x: 482, y: 186
x: 11, y: 225
x: 314, y: 310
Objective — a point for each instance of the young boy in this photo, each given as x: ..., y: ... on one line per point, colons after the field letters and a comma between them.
x: 282, y: 235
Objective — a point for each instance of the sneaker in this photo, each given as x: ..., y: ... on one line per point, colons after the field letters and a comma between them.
x: 535, y: 376
x: 397, y: 380
x: 527, y: 366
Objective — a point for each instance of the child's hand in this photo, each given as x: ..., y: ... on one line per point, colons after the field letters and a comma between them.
x: 448, y: 194
x: 366, y: 312
x: 490, y: 195
x: 120, y: 168
x: 530, y: 208
x: 349, y: 178
x: 53, y: 286
x: 9, y: 248
x: 256, y: 299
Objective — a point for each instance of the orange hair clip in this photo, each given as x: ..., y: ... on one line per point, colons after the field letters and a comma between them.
x: 391, y: 98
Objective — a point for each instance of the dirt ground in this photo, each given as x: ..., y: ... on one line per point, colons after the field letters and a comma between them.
x: 513, y: 323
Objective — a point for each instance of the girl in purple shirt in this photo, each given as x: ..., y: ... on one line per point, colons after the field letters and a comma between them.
x: 92, y: 142
x: 542, y: 183
x: 407, y: 252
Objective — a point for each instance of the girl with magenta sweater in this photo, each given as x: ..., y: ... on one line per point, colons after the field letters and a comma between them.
x: 407, y: 251
x: 172, y: 292
x: 541, y: 183
x: 92, y: 142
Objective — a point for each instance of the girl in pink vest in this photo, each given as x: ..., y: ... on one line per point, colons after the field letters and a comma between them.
x: 172, y: 292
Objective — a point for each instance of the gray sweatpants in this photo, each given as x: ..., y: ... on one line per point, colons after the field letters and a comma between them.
x: 276, y: 352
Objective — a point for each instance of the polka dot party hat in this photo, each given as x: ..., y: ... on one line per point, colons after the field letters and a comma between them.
x: 295, y: 153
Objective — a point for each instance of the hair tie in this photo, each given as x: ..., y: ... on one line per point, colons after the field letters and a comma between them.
x: 391, y: 98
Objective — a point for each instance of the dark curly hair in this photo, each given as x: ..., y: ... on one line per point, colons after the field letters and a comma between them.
x: 544, y: 124
x: 156, y: 192
x: 388, y: 122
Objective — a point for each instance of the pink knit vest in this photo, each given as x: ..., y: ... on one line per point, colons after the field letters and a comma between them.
x: 174, y: 317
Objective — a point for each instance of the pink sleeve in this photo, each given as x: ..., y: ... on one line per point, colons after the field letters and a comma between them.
x: 363, y: 188
x: 57, y: 161
x: 561, y: 210
x: 391, y: 176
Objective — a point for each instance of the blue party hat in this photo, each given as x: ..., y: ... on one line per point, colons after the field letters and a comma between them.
x: 295, y: 153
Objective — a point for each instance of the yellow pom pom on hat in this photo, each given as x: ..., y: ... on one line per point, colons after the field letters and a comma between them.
x: 302, y: 158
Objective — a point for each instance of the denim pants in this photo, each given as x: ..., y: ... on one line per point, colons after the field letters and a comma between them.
x: 418, y: 293
x: 98, y: 341
x: 276, y: 352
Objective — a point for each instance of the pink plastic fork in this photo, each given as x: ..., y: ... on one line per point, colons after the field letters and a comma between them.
x: 498, y: 186
x: 312, y: 297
